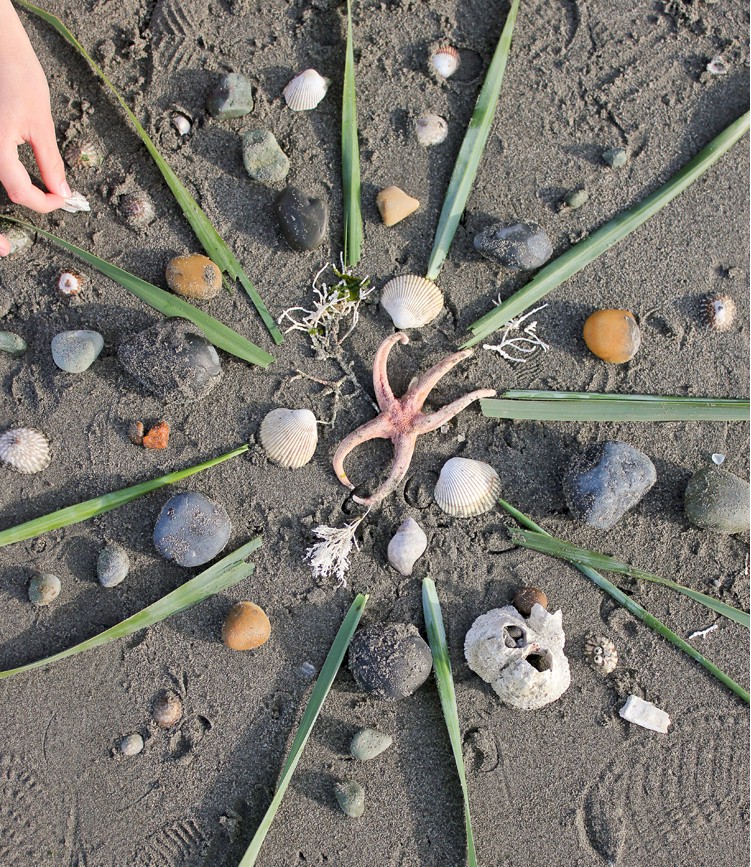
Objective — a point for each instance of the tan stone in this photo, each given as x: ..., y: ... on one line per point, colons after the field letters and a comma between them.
x: 394, y: 205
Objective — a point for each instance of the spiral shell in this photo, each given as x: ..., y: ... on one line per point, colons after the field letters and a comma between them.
x: 25, y: 450
x: 411, y: 301
x: 407, y: 546
x: 717, y: 312
x: 601, y: 653
x: 445, y: 61
x: 467, y: 488
x: 289, y: 436
x: 305, y: 90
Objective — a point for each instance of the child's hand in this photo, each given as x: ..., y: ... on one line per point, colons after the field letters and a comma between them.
x: 25, y: 116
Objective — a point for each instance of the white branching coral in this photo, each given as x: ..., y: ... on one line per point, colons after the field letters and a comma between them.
x: 527, y: 343
x: 329, y: 558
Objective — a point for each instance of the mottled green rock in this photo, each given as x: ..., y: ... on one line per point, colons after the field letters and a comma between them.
x: 264, y: 160
x: 232, y: 97
x: 44, y: 588
x: 12, y: 343
x: 616, y: 158
x: 369, y: 743
x: 718, y: 500
x: 576, y: 199
x: 351, y: 798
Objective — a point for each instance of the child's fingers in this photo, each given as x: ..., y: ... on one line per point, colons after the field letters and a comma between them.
x: 17, y: 183
x: 48, y: 158
x: 4, y: 246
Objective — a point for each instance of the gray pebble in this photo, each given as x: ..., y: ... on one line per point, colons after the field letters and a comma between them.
x: 303, y: 220
x: 232, y: 97
x: 351, y: 798
x: 44, y: 588
x: 718, y: 500
x: 76, y: 351
x: 12, y: 343
x: 517, y: 246
x: 607, y: 480
x: 369, y: 743
x: 20, y: 239
x: 576, y: 199
x: 112, y: 565
x: 131, y: 745
x: 616, y: 158
x: 191, y: 529
x: 389, y: 660
x: 264, y: 160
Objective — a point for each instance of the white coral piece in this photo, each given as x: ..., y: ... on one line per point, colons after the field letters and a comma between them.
x: 330, y: 557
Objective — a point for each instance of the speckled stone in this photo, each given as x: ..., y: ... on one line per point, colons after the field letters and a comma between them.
x: 76, y: 351
x: 369, y: 743
x: 616, y: 157
x: 264, y: 160
x: 304, y: 221
x: 112, y: 565
x: 44, y: 588
x: 232, y: 97
x: 389, y: 660
x: 518, y: 246
x: 718, y: 500
x: 351, y: 798
x: 191, y: 529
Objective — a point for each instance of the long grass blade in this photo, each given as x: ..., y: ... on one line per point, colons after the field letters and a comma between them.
x: 637, y: 610
x: 203, y: 228
x: 223, y: 574
x: 582, y: 556
x: 317, y: 698
x: 470, y: 153
x: 106, y: 503
x: 215, y: 332
x: 541, y: 394
x: 445, y: 681
x: 586, y: 251
x: 350, y: 157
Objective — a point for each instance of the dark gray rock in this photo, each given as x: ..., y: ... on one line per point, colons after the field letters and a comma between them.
x: 518, y: 246
x: 264, y: 160
x: 303, y: 220
x: 112, y: 565
x: 232, y: 97
x: 191, y: 529
x: 718, y: 500
x: 607, y: 480
x: 389, y: 660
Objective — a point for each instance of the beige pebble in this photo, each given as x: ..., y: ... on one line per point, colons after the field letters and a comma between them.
x: 394, y: 205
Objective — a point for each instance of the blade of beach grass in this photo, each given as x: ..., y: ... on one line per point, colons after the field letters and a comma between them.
x: 564, y: 551
x: 541, y: 394
x: 99, y: 505
x: 223, y: 574
x: 210, y: 240
x: 165, y: 302
x: 601, y: 240
x: 317, y: 698
x: 637, y: 610
x: 350, y: 157
x: 444, y: 679
x: 470, y: 153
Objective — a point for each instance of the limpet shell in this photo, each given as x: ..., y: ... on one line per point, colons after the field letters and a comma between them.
x: 467, y: 488
x: 601, y: 653
x: 717, y: 312
x: 289, y: 436
x: 25, y: 450
x: 305, y: 90
x: 411, y: 301
x: 70, y: 284
x: 445, y: 60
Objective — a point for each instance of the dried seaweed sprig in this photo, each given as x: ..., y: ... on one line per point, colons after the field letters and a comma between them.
x: 527, y: 343
x: 329, y: 558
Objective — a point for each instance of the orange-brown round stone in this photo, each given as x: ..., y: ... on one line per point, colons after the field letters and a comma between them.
x: 246, y: 627
x: 194, y: 277
x: 612, y: 335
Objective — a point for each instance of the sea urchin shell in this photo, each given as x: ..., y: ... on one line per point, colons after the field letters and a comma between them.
x: 717, y: 312
x: 601, y: 653
x: 25, y: 450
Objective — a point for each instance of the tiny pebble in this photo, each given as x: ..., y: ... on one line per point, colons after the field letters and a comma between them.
x: 44, y: 588
x: 351, y: 798
x: 12, y: 343
x: 718, y: 458
x: 369, y: 743
x: 304, y: 221
x: 167, y: 709
x: 264, y: 160
x: 616, y: 158
x: 131, y: 745
x: 526, y: 598
x: 307, y: 670
x: 577, y: 198
x: 232, y: 97
x: 112, y: 565
x: 76, y: 351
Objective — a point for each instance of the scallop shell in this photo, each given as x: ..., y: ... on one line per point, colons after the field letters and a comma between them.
x: 411, y: 301
x: 467, y: 488
x: 407, y: 546
x: 25, y: 450
x: 289, y: 436
x: 717, y: 312
x: 445, y: 61
x: 601, y: 653
x: 305, y: 90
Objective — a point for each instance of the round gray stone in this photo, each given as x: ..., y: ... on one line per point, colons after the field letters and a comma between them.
x: 76, y: 351
x: 518, y: 246
x: 615, y: 157
x: 351, y: 798
x: 369, y: 743
x: 389, y: 660
x: 112, y: 565
x: 44, y: 588
x: 191, y: 529
x: 718, y: 500
x: 264, y: 160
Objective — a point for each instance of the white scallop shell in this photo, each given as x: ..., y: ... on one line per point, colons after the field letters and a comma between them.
x: 25, y: 450
x: 467, y: 488
x: 411, y: 301
x: 305, y: 90
x: 289, y: 436
x: 407, y: 546
x: 445, y: 61
x: 431, y: 129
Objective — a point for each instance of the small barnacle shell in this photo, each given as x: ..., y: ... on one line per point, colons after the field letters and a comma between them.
x: 305, y: 90
x: 601, y: 653
x: 717, y: 312
x: 445, y: 61
x: 289, y: 436
x: 431, y: 129
x: 25, y: 450
x: 407, y: 546
x: 83, y: 153
x: 411, y: 301
x: 70, y: 284
x: 467, y: 488
x: 137, y: 209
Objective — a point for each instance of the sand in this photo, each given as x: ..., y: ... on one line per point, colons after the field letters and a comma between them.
x: 571, y: 784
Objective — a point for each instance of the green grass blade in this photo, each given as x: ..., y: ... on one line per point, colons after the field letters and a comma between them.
x: 317, y: 698
x: 470, y: 153
x: 165, y: 302
x: 586, y: 251
x: 565, y: 551
x: 203, y: 228
x: 445, y: 682
x: 223, y: 574
x: 541, y: 394
x: 637, y: 610
x: 106, y: 503
x: 614, y: 409
x: 350, y: 157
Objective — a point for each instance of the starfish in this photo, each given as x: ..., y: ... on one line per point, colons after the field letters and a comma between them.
x: 401, y: 419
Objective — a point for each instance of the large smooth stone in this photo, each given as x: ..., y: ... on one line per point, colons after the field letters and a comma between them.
x: 389, y: 660
x: 76, y: 351
x: 718, y: 500
x: 232, y: 97
x: 607, y: 480
x: 173, y: 360
x: 264, y: 160
x: 303, y: 221
x: 517, y: 246
x: 191, y: 529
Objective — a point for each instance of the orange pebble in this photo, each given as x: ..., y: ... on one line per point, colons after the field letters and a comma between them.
x: 157, y: 437
x: 246, y: 627
x: 612, y: 335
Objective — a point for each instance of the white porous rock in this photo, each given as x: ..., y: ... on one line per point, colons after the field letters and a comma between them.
x: 645, y: 714
x: 510, y: 662
x: 407, y: 546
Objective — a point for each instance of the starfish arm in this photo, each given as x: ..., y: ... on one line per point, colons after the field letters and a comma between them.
x: 384, y: 394
x: 404, y: 448
x: 418, y: 393
x: 371, y: 430
x: 427, y: 423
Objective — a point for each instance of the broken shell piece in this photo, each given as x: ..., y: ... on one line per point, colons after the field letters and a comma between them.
x: 25, y: 450
x: 407, y: 546
x: 75, y: 203
x: 431, y: 129
x: 305, y: 90
x: 645, y: 714
x: 70, y: 284
x: 718, y: 66
x: 289, y: 436
x: 526, y: 672
x: 717, y: 312
x: 411, y: 301
x: 601, y: 653
x: 445, y: 61
x: 394, y: 205
x: 466, y: 488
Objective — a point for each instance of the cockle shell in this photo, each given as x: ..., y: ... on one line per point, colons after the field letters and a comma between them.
x: 411, y: 301
x: 717, y: 312
x: 305, y: 90
x: 407, y: 546
x: 601, y: 653
x: 528, y: 671
x: 445, y: 61
x: 25, y: 450
x: 467, y: 488
x: 289, y: 436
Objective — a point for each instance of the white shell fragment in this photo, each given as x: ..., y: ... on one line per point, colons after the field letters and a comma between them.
x: 25, y: 450
x: 645, y: 714
x: 289, y: 436
x: 411, y: 301
x: 522, y: 659
x: 305, y: 90
x: 445, y: 61
x: 407, y: 546
x: 466, y: 488
x: 181, y: 123
x: 431, y: 129
x: 75, y: 203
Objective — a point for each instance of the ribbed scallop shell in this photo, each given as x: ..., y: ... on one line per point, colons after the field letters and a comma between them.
x: 25, y: 450
x: 289, y: 436
x: 445, y: 61
x: 467, y: 488
x: 411, y: 301
x: 305, y: 90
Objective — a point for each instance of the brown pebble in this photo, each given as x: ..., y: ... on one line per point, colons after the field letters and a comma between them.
x: 157, y: 437
x: 394, y: 205
x: 246, y: 627
x: 527, y: 597
x: 612, y: 335
x: 135, y: 433
x: 167, y: 709
x: 194, y: 276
